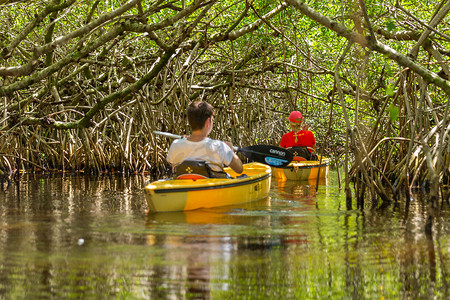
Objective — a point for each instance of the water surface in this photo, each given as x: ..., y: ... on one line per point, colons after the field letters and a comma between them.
x: 89, y: 237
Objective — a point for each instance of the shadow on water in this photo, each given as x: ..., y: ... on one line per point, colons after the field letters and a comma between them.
x: 89, y: 237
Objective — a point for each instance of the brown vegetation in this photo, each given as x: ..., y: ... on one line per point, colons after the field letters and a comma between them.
x: 83, y: 85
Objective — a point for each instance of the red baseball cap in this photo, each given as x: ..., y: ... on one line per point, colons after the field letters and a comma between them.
x: 296, y: 117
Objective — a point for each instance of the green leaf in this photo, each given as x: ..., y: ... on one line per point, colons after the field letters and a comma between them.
x: 390, y: 26
x: 390, y: 91
x: 393, y: 112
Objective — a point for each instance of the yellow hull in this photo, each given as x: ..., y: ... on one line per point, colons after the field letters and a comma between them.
x: 302, y: 170
x: 187, y: 194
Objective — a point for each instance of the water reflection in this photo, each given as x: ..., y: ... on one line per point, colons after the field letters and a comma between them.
x: 299, y: 243
x: 304, y: 191
x: 216, y: 215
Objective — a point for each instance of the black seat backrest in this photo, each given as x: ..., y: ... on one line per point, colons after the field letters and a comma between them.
x: 302, y: 152
x: 193, y: 167
x: 197, y: 169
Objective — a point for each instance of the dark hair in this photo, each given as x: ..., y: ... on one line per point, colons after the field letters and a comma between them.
x: 198, y: 112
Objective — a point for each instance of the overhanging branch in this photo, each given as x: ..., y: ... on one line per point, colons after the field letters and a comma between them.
x: 353, y: 36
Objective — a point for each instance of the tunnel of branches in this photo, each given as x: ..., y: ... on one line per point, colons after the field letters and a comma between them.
x: 84, y: 84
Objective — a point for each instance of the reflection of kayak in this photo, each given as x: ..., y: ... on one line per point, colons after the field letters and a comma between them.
x: 215, y: 215
x: 302, y: 170
x: 188, y: 194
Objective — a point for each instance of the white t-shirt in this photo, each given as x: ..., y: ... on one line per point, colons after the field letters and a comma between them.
x: 211, y: 151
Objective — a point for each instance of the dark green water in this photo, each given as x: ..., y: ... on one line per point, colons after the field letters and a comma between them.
x: 89, y: 238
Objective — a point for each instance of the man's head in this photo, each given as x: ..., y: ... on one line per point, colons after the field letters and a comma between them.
x: 295, y: 120
x: 198, y: 112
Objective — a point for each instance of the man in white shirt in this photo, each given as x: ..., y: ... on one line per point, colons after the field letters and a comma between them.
x: 199, y: 147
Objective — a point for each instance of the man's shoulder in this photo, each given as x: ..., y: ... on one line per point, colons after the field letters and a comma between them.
x: 179, y: 141
x: 218, y: 146
x: 212, y: 141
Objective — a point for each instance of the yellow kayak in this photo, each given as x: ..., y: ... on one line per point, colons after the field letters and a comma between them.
x: 302, y: 170
x: 189, y: 194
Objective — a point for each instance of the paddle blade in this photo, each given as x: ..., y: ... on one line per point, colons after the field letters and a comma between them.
x: 270, y: 155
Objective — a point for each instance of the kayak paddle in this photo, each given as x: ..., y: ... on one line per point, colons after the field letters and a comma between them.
x: 170, y: 135
x: 270, y: 155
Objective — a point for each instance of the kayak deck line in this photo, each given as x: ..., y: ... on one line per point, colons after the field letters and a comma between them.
x: 306, y: 166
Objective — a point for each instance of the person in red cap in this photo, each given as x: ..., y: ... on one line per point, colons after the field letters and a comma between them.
x: 300, y: 136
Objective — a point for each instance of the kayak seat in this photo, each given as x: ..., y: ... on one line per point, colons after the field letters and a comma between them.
x: 302, y: 153
x: 193, y: 169
x: 298, y: 158
x: 191, y: 176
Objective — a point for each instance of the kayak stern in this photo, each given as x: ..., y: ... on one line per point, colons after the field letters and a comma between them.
x: 302, y: 170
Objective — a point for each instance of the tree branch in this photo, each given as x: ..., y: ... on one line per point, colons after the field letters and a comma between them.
x: 350, y: 35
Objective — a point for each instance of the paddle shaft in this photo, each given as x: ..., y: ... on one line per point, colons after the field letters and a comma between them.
x: 170, y: 135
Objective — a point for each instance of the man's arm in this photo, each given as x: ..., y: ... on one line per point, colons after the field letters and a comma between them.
x: 236, y: 164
